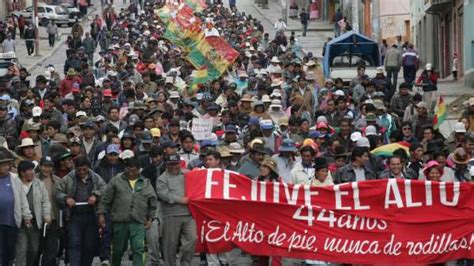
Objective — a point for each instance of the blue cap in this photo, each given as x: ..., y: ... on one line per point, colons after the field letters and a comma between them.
x: 230, y: 129
x: 254, y: 120
x: 113, y: 148
x: 314, y: 134
x: 206, y: 143
x: 288, y: 145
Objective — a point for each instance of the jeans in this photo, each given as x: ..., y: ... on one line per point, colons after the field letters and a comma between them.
x: 27, y: 245
x: 305, y: 28
x: 51, y: 39
x: 30, y: 48
x: 106, y: 239
x: 83, y: 239
x: 50, y: 244
x: 392, y: 75
x: 409, y: 74
x: 8, y: 235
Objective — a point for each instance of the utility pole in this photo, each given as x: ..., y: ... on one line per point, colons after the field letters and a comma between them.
x: 36, y: 25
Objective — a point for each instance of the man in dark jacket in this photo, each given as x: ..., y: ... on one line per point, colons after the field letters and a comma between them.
x: 304, y: 18
x: 356, y: 169
x: 132, y: 203
x: 110, y: 165
x: 79, y: 193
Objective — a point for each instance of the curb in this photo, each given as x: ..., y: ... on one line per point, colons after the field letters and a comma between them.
x: 59, y: 44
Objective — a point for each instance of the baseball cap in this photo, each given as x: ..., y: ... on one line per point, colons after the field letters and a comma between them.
x: 113, y: 149
x: 355, y: 136
x: 168, y: 144
x: 172, y: 158
x: 363, y: 142
x: 155, y: 132
x: 36, y: 111
x: 266, y: 124
x: 459, y: 127
x: 46, y: 161
x: 370, y: 131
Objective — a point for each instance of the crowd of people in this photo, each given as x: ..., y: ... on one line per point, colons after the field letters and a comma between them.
x: 93, y: 156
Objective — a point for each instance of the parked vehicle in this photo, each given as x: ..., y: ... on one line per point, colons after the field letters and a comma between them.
x: 46, y: 13
x: 7, y: 60
x: 348, y: 51
x: 73, y: 13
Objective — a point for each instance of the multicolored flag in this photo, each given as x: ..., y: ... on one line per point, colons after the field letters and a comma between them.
x: 199, y: 77
x: 387, y: 150
x: 196, y: 5
x: 212, y: 51
x: 440, y: 114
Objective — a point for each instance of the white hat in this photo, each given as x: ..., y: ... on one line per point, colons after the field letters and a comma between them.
x: 379, y: 70
x: 355, y: 136
x: 266, y: 98
x: 174, y: 95
x: 243, y: 74
x: 459, y: 127
x: 310, y: 63
x: 429, y: 66
x: 321, y: 118
x: 275, y: 60
x: 126, y: 154
x: 371, y: 131
x: 81, y: 113
x: 276, y: 83
x: 235, y: 147
x: 275, y: 103
x: 275, y: 93
x: 471, y: 172
x: 363, y: 142
x: 169, y: 80
x: 36, y: 111
x: 339, y: 93
x: 26, y: 142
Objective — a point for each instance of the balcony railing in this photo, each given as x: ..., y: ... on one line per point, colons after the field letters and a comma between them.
x: 438, y: 5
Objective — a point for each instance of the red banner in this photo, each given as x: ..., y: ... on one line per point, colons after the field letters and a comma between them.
x: 382, y: 221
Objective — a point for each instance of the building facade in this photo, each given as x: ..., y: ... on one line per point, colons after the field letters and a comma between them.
x: 442, y: 29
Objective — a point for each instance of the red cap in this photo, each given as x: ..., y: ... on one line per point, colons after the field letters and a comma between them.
x: 107, y: 93
x: 322, y: 124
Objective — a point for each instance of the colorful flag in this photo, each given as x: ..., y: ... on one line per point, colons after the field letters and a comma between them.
x: 212, y: 51
x: 196, y: 5
x: 440, y: 115
x: 387, y: 150
x: 199, y: 77
x: 164, y: 13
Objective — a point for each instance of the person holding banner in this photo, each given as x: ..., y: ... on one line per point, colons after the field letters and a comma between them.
x: 251, y: 167
x: 179, y: 227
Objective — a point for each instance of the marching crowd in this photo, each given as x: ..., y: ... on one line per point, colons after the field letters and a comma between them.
x: 93, y: 156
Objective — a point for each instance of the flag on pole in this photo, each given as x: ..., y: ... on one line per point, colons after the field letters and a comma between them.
x: 440, y: 114
x: 212, y: 51
x: 196, y: 5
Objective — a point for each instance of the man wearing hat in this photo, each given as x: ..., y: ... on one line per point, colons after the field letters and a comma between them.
x: 27, y: 244
x: 79, y: 195
x: 179, y: 227
x: 460, y: 158
x: 110, y: 165
x: 27, y: 150
x: 285, y: 159
x: 275, y: 111
x: 49, y: 244
x: 230, y: 135
x: 132, y: 202
x: 250, y: 168
x: 14, y: 209
x: 42, y: 145
x: 421, y: 119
